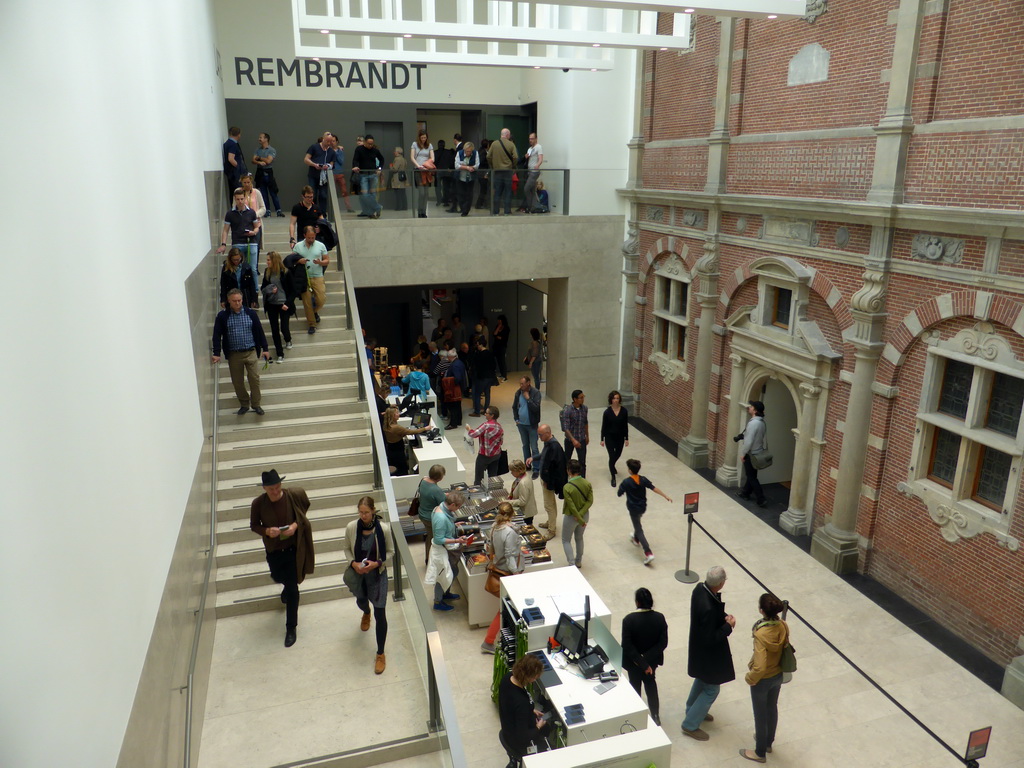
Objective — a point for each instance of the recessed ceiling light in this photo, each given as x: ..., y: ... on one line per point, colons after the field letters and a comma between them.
x: 663, y: 49
x: 687, y: 10
x: 325, y: 32
x: 772, y: 16
x: 536, y: 67
x: 383, y: 61
x: 406, y: 35
x: 316, y: 58
x: 594, y: 70
x: 597, y: 45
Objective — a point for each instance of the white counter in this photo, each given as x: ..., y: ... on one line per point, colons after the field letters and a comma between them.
x: 482, y: 605
x: 543, y: 587
x: 638, y: 749
x: 428, y: 454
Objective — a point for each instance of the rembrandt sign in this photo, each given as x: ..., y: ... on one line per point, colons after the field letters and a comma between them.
x: 309, y: 73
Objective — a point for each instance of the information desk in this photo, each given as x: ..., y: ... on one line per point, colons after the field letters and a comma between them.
x: 428, y: 454
x: 638, y: 749
x: 618, y: 710
x: 556, y: 587
x: 481, y: 605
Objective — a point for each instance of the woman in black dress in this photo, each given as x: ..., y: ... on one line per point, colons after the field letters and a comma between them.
x: 499, y: 345
x: 521, y: 724
x: 644, y: 639
x: 614, y: 430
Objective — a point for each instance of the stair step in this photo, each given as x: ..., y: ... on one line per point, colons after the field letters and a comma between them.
x: 248, y: 575
x: 298, y: 359
x: 295, y: 410
x: 334, y: 518
x: 255, y: 449
x: 327, y: 460
x: 248, y: 428
x: 251, y: 550
x: 267, y: 597
x: 280, y: 376
x: 342, y: 497
x: 229, y: 490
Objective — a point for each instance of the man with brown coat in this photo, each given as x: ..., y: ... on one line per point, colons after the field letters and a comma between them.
x: 279, y: 516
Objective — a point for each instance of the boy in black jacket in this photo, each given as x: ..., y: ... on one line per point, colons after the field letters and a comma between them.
x: 635, y: 488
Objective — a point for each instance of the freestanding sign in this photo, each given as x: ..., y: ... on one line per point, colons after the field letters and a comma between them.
x: 977, y: 745
x: 690, y: 503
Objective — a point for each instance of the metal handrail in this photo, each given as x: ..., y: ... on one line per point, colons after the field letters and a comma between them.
x: 201, y: 612
x: 439, y: 688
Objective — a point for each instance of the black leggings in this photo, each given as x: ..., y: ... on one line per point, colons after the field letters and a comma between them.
x: 380, y: 622
x: 614, y: 446
x: 279, y: 320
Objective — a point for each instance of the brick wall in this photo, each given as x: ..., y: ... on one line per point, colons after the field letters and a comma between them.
x: 971, y: 170
x: 684, y: 85
x: 839, y: 168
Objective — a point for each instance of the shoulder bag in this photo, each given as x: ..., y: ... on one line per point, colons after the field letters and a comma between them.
x: 764, y: 459
x: 414, y: 505
x: 787, y: 662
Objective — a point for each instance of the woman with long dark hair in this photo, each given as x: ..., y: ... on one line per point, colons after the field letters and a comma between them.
x: 499, y: 345
x: 278, y: 301
x: 368, y: 545
x: 422, y: 157
x: 765, y: 675
x: 614, y: 430
x: 535, y: 356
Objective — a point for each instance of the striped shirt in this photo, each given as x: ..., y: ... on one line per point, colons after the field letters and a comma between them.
x: 491, y: 437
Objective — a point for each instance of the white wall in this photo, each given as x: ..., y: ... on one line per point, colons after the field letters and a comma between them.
x: 111, y: 114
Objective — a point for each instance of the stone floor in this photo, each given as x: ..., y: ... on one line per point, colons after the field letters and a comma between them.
x: 324, y: 692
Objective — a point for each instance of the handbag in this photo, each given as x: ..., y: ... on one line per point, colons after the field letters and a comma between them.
x: 352, y: 579
x: 402, y: 176
x: 492, y: 584
x: 502, y: 468
x: 764, y: 459
x: 414, y: 505
x: 787, y: 662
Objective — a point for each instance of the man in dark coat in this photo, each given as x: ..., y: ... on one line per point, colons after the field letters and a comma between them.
x: 710, y: 660
x: 553, y: 476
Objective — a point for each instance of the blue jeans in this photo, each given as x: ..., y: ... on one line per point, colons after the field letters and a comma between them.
x: 764, y: 696
x: 528, y: 435
x: 502, y: 186
x: 535, y: 370
x: 698, y: 703
x: 482, y: 394
x: 269, y: 196
x: 368, y: 193
x: 252, y: 252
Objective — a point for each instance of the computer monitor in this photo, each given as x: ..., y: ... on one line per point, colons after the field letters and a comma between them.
x: 571, y: 636
x: 420, y: 419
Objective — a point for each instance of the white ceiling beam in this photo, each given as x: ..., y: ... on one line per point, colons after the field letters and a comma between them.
x: 743, y: 8
x: 494, y: 33
x: 444, y: 57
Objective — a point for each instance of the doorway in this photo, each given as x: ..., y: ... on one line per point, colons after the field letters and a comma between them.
x: 386, y: 136
x: 780, y: 420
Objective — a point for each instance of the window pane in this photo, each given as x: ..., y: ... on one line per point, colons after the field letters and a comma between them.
x: 679, y: 305
x: 993, y: 475
x: 680, y: 342
x: 664, y: 294
x: 956, y: 388
x: 944, y: 455
x: 1005, y: 404
x: 783, y: 305
x: 663, y: 336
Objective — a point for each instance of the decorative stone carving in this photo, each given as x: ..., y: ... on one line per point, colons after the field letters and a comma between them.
x: 640, y: 300
x: 693, y: 218
x: 741, y: 224
x: 871, y: 296
x: 809, y: 65
x: 842, y: 237
x: 707, y: 265
x: 981, y: 340
x: 953, y: 523
x: 673, y: 265
x: 815, y: 8
x: 669, y: 370
x: 789, y: 230
x: 948, y: 250
x: 656, y: 215
x: 631, y: 247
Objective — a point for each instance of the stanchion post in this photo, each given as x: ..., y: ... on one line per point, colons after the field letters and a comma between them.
x: 686, y: 576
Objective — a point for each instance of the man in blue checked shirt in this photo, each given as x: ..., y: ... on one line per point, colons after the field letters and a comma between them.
x: 237, y: 331
x: 576, y: 427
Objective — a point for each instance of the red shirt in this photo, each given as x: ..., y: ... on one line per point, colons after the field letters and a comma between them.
x: 491, y: 437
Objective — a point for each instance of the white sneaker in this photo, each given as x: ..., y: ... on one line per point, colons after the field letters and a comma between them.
x: 280, y: 358
x: 648, y: 559
x: 634, y: 542
x: 288, y: 345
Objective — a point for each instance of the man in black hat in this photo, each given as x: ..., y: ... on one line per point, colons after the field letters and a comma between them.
x: 754, y: 438
x: 279, y: 516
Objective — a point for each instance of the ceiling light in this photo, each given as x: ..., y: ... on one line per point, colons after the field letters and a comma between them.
x: 383, y: 61
x: 325, y: 32
x: 772, y: 16
x: 597, y: 45
x: 407, y: 35
x: 316, y: 58
x: 663, y: 49
x: 687, y: 10
x: 536, y: 67
x: 594, y: 70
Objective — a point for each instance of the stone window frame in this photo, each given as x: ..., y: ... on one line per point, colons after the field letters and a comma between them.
x: 774, y: 274
x: 671, y: 282
x: 953, y: 506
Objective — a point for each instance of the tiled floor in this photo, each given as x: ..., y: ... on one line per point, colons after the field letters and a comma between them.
x: 829, y: 714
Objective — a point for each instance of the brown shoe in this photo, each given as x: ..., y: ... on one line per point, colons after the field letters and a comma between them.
x: 697, y: 734
x: 364, y: 624
x: 752, y: 755
x: 709, y: 718
x: 379, y: 664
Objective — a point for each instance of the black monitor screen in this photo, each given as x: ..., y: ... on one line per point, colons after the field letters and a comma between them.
x: 570, y: 635
x: 420, y: 419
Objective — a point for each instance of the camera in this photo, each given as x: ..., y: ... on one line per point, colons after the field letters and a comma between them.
x: 738, y: 437
x: 566, y: 69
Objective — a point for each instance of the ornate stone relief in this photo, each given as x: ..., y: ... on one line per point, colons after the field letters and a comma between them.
x: 981, y: 340
x: 871, y: 296
x: 842, y: 237
x: 707, y: 265
x: 669, y: 370
x: 953, y: 523
x: 631, y: 247
x: 656, y: 215
x: 693, y: 218
x: 741, y: 224
x: 948, y: 250
x: 673, y: 265
x: 815, y: 8
x: 789, y: 230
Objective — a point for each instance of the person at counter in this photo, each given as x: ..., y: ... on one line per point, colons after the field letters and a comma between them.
x: 431, y: 496
x: 522, y: 725
x: 394, y: 441
x: 418, y: 379
x: 439, y: 568
x: 491, y: 438
x: 521, y: 495
x: 505, y: 547
x: 644, y: 640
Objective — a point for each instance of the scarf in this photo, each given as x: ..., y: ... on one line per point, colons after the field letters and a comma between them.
x: 377, y: 551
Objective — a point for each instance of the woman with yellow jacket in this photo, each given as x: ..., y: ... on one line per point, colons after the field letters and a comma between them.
x: 765, y: 675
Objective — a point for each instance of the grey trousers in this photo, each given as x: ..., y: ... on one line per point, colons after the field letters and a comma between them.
x: 571, y: 529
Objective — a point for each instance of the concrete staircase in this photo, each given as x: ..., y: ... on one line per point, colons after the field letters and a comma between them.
x: 315, y: 432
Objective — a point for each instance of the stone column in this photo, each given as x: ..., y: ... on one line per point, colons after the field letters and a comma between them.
x: 693, y: 449
x: 835, y: 544
x: 630, y: 275
x: 1013, y: 678
x: 894, y: 130
x: 796, y: 519
x: 718, y: 140
x: 728, y: 475
x: 634, y: 178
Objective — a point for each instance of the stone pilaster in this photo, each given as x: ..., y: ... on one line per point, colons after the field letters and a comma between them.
x: 693, y: 449
x: 894, y: 130
x: 1013, y: 678
x: 796, y: 519
x: 630, y: 275
x: 728, y: 475
x: 835, y: 544
x: 634, y: 179
x: 718, y: 140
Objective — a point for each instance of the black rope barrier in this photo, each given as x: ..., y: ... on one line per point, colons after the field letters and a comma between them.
x: 841, y: 655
